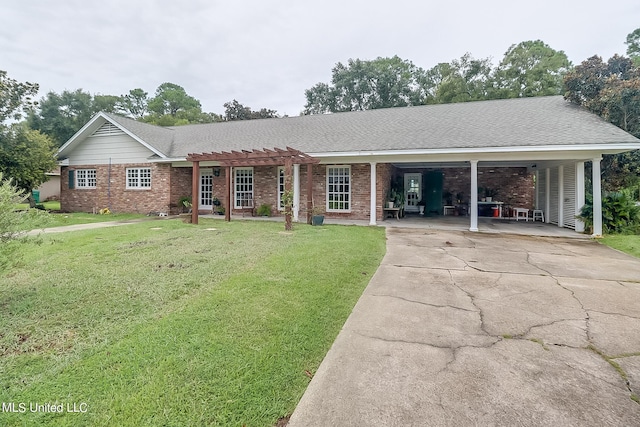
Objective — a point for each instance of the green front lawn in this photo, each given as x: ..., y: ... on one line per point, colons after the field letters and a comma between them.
x: 62, y: 219
x: 625, y: 243
x: 215, y: 324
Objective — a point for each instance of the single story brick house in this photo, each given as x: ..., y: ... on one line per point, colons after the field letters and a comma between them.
x: 532, y: 151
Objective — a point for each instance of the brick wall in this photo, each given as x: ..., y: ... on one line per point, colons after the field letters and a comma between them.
x: 180, y: 186
x: 384, y: 172
x: 113, y: 193
x: 515, y: 186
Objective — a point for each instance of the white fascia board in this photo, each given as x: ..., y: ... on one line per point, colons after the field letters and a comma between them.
x: 81, y: 133
x: 182, y: 162
x: 168, y: 160
x: 487, y: 153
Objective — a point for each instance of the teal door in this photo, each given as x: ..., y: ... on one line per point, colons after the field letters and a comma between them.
x: 433, y: 192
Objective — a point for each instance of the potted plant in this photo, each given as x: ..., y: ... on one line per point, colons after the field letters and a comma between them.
x: 184, y: 203
x: 317, y: 215
x: 264, y: 210
x: 490, y: 193
x: 421, y: 206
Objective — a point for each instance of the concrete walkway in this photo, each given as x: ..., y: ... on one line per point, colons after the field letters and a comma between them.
x: 90, y: 226
x: 475, y: 329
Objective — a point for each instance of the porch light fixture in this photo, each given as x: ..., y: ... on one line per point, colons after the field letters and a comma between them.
x: 216, y: 171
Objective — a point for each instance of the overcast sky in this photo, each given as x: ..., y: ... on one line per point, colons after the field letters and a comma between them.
x: 266, y: 53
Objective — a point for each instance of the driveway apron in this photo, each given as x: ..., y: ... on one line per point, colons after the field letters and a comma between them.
x: 459, y: 328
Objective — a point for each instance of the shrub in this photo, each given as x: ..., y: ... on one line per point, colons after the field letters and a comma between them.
x: 264, y: 210
x: 13, y: 222
x: 619, y: 214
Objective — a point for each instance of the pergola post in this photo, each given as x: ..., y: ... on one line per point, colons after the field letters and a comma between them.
x: 194, y: 192
x: 227, y: 193
x: 309, y: 191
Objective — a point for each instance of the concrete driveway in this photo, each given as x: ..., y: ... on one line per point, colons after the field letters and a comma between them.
x: 459, y: 329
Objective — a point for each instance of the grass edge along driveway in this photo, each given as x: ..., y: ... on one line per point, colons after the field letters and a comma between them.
x: 174, y: 324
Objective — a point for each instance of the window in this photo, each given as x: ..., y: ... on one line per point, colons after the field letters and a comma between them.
x: 280, y: 188
x: 243, y: 187
x: 339, y: 188
x: 86, y: 178
x: 139, y: 178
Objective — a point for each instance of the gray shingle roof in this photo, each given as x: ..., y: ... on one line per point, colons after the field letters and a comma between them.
x: 160, y: 138
x: 522, y: 122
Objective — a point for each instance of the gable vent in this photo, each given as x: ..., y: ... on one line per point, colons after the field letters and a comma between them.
x: 108, y: 129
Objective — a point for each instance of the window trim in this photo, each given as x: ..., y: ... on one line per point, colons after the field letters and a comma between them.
x: 348, y: 193
x: 138, y: 178
x: 82, y: 182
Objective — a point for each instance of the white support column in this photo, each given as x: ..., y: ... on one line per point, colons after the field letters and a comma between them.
x: 561, y: 196
x: 373, y: 210
x: 537, y: 202
x: 547, y: 196
x: 580, y: 194
x: 474, y: 196
x: 296, y: 192
x: 597, y: 198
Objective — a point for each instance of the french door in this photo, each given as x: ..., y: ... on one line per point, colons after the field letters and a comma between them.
x: 412, y: 191
x: 206, y: 188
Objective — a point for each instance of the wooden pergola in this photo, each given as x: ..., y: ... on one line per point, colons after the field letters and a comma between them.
x: 265, y: 157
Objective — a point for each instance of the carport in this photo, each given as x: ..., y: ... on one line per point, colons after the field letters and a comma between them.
x: 546, y: 136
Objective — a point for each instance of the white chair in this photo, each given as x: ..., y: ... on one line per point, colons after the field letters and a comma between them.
x: 538, y: 214
x: 448, y: 210
x: 521, y: 213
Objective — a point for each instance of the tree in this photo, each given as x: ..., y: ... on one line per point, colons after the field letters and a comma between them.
x: 135, y: 103
x: 531, y: 68
x: 15, y: 97
x: 466, y: 79
x: 62, y: 115
x: 233, y: 110
x: 611, y: 90
x: 172, y: 106
x: 107, y: 103
x: 633, y: 46
x: 171, y: 99
x: 365, y: 85
x: 26, y: 156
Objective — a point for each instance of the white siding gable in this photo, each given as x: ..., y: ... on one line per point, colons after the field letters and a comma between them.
x: 105, y: 144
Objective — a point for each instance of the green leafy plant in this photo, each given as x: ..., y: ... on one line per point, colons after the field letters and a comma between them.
x: 14, y: 222
x: 619, y: 214
x: 264, y: 210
